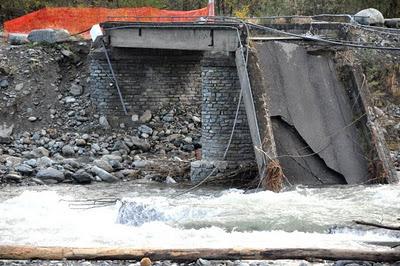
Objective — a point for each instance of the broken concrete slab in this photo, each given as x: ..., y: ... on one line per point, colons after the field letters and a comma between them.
x: 314, y: 122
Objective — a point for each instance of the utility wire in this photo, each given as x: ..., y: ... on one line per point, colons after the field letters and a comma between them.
x: 317, y: 39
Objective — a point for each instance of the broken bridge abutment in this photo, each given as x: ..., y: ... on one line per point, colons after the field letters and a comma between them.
x: 207, y: 81
x: 196, y: 65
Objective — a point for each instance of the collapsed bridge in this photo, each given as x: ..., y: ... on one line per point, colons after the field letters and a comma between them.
x: 268, y: 101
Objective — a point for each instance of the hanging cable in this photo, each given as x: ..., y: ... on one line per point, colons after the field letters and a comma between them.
x: 114, y: 77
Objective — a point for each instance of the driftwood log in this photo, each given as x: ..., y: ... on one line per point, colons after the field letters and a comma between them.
x: 377, y: 225
x: 59, y: 253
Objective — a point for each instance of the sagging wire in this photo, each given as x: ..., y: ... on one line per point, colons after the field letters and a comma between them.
x: 316, y: 39
x: 114, y: 77
x: 377, y: 29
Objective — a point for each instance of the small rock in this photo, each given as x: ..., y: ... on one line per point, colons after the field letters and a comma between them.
x: 203, y: 262
x: 72, y: 162
x: 196, y: 119
x: 40, y: 152
x: 31, y: 162
x: 145, y: 129
x: 17, y: 38
x: 13, y: 177
x: 68, y: 151
x: 50, y: 174
x: 5, y: 133
x: 76, y: 90
x: 44, y: 162
x: 19, y: 86
x: 80, y: 142
x: 67, y: 53
x: 104, y: 122
x: 24, y: 169
x: 135, y: 118
x: 96, y: 147
x: 140, y: 143
x: 38, y: 181
x: 170, y: 180
x: 173, y: 137
x: 120, y: 145
x: 32, y: 118
x: 103, y: 175
x: 70, y: 99
x: 188, y: 140
x: 188, y: 147
x: 168, y: 118
x: 4, y: 84
x: 145, y: 262
x: 82, y: 177
x: 103, y: 164
x: 146, y: 117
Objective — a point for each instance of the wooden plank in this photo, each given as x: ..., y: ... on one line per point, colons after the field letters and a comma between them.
x: 114, y: 253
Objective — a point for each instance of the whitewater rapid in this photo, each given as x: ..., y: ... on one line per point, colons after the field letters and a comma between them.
x: 208, y: 218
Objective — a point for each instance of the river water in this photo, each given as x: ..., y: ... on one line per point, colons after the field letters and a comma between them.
x: 212, y: 218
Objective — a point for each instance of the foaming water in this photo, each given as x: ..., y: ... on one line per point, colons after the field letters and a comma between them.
x: 303, y: 217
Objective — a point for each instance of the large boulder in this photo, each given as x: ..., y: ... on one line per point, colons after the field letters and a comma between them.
x: 50, y: 174
x: 136, y: 214
x: 103, y: 164
x: 370, y: 16
x: 24, y: 169
x: 48, y: 35
x: 103, y: 174
x: 82, y: 177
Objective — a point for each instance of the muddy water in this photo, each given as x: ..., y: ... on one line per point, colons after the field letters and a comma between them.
x: 302, y: 217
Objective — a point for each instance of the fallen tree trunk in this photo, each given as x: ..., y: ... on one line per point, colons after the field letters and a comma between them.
x: 59, y: 253
x: 388, y: 227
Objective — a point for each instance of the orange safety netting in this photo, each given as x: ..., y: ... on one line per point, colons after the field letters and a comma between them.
x: 77, y: 20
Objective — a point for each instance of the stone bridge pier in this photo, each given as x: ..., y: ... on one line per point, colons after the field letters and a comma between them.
x: 220, y: 95
x: 197, y: 67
